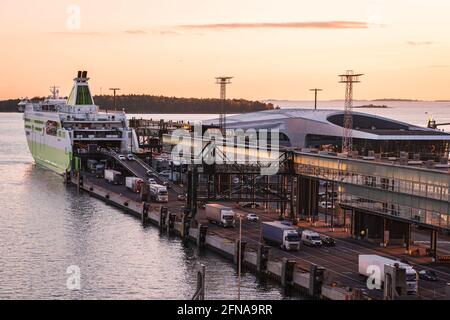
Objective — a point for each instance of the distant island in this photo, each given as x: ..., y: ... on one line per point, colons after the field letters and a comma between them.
x: 371, y: 106
x: 148, y: 104
x: 397, y: 100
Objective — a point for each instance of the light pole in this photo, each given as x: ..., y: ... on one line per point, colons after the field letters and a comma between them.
x: 240, y: 255
x: 114, y: 90
x: 315, y: 96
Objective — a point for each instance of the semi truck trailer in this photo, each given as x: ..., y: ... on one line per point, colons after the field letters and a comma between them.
x: 221, y: 215
x: 278, y: 234
x: 370, y: 264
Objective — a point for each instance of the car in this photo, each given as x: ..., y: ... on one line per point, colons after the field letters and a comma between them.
x: 428, y: 275
x: 130, y: 157
x: 167, y: 185
x: 252, y: 217
x: 150, y: 173
x: 251, y: 205
x: 181, y: 197
x: 326, y: 205
x: 152, y: 181
x: 121, y: 157
x: 328, y: 241
x: 300, y: 231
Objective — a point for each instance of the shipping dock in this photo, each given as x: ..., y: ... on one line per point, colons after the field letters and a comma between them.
x: 386, y: 204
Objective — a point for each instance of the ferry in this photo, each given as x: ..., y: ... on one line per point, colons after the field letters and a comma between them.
x: 56, y: 129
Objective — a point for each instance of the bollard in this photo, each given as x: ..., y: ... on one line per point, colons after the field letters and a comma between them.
x: 145, y: 209
x: 236, y: 252
x: 200, y: 292
x: 262, y: 258
x: 186, y: 226
x: 162, y: 218
x: 201, y: 239
x: 287, y: 272
x: 171, y: 224
x: 316, y: 278
x: 447, y: 292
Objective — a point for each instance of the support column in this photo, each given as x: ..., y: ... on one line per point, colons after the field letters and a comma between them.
x: 408, y: 239
x: 433, y: 242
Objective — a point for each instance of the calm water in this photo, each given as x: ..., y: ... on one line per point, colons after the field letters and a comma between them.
x: 45, y: 228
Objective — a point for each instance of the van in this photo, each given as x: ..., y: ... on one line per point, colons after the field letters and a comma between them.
x: 311, y: 238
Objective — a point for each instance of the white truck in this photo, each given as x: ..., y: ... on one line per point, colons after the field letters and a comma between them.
x: 134, y: 184
x: 369, y: 263
x: 221, y: 215
x: 159, y: 193
x: 311, y: 238
x: 282, y: 235
x: 113, y: 176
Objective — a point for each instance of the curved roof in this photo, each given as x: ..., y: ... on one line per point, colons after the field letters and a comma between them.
x: 298, y: 123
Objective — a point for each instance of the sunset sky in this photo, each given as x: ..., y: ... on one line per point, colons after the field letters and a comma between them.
x: 274, y: 49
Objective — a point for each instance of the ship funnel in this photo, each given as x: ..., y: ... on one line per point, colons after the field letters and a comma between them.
x: 79, y: 74
x: 84, y: 74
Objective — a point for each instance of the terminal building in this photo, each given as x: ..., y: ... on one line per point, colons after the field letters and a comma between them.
x: 323, y: 130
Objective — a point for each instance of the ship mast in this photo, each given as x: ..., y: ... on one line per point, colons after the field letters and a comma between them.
x: 55, y: 92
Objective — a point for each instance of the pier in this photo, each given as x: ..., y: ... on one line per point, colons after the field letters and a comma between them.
x: 378, y: 202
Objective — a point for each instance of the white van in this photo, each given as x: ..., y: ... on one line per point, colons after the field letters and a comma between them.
x: 311, y: 238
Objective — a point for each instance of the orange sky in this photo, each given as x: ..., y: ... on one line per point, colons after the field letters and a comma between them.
x: 274, y: 49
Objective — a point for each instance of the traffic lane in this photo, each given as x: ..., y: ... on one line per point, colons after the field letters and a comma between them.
x: 342, y: 271
x: 341, y: 261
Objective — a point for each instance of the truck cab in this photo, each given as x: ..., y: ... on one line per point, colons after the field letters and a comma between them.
x: 291, y: 241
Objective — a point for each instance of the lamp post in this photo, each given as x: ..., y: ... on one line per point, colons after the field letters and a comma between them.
x: 114, y: 90
x: 240, y: 256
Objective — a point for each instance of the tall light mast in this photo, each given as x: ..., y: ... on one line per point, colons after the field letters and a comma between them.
x: 223, y: 82
x: 349, y: 78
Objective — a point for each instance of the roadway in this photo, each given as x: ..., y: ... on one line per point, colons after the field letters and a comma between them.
x: 341, y: 261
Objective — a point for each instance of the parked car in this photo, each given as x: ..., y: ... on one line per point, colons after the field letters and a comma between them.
x: 181, y: 197
x: 130, y: 157
x: 428, y: 275
x: 152, y: 181
x: 252, y: 217
x: 150, y: 173
x: 122, y: 157
x: 328, y: 241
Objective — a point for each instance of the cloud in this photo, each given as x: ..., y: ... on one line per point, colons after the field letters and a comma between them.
x: 157, y: 32
x: 80, y: 33
x: 135, y: 31
x: 420, y: 43
x: 279, y: 25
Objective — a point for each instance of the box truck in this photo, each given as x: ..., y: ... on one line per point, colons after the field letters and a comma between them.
x: 159, y: 193
x: 221, y: 215
x: 113, y: 176
x: 282, y: 235
x: 367, y: 263
x: 134, y: 184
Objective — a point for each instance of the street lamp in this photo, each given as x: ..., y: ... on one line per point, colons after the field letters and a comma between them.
x: 240, y: 256
x: 114, y: 90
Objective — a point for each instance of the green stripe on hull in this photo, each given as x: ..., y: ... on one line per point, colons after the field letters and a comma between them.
x: 50, y: 157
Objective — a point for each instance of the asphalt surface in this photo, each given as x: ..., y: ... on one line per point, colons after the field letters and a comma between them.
x: 341, y: 261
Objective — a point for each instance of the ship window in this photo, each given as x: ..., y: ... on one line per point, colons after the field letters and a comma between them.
x: 83, y: 96
x: 51, y: 128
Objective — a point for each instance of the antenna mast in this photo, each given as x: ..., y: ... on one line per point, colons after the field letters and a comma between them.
x: 223, y: 82
x: 349, y: 78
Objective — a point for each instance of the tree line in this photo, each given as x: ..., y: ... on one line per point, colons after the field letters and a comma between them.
x: 161, y: 104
